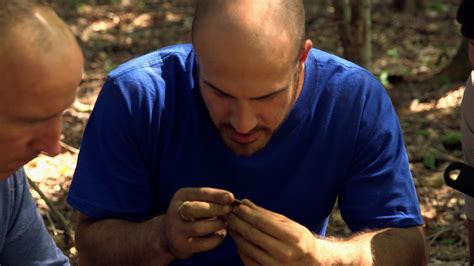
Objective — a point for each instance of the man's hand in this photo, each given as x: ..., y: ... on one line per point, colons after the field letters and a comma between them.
x: 267, y: 238
x: 193, y: 222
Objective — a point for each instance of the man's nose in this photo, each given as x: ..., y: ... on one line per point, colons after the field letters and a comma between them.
x: 243, y: 118
x: 47, y: 137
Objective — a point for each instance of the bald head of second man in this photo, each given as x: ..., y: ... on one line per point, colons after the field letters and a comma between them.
x: 251, y: 56
x: 41, y: 66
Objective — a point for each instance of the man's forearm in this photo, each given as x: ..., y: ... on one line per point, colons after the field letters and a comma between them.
x: 119, y: 242
x: 391, y: 246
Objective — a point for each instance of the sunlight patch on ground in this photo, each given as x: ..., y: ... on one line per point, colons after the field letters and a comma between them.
x: 43, y: 167
x: 52, y: 175
x: 450, y: 100
x: 143, y: 21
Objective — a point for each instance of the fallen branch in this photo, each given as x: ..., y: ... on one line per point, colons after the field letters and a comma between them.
x: 53, y: 226
x: 438, y: 233
x: 68, y: 147
x: 53, y: 209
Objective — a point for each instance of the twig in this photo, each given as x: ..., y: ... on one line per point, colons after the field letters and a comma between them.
x: 445, y: 156
x: 54, y: 210
x: 438, y: 233
x: 48, y: 216
x: 69, y: 148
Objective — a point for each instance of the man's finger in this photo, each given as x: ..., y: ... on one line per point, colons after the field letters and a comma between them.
x: 202, y: 244
x: 254, y: 206
x: 247, y: 260
x: 208, y: 194
x: 200, y: 209
x: 250, y: 251
x: 271, y: 223
x: 204, y: 227
x: 261, y: 239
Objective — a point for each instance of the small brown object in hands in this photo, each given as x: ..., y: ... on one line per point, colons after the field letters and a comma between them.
x: 236, y: 202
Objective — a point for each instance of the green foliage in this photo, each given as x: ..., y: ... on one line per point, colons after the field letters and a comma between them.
x: 438, y: 6
x: 445, y: 80
x: 109, y: 65
x: 394, y: 53
x: 383, y: 77
x: 452, y: 140
x: 77, y: 5
x: 423, y: 132
x: 448, y: 241
x: 80, y: 7
x: 141, y: 4
x: 429, y: 161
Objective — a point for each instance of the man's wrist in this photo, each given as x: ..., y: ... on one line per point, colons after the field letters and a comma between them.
x: 162, y: 254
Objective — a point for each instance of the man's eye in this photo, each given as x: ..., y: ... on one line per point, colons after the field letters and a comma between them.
x: 220, y: 94
x: 267, y: 98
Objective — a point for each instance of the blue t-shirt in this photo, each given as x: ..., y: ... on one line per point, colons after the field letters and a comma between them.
x: 151, y: 134
x: 24, y: 239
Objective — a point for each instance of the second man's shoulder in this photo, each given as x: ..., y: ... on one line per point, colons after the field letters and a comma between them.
x: 171, y: 56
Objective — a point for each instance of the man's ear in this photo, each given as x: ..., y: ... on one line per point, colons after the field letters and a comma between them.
x: 305, y: 49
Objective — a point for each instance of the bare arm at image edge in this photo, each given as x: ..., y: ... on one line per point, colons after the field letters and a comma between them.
x: 390, y: 246
x: 467, y: 132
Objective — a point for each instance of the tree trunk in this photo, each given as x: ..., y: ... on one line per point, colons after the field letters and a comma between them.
x: 459, y: 67
x: 354, y: 22
x: 366, y: 33
x: 398, y: 5
x: 410, y: 6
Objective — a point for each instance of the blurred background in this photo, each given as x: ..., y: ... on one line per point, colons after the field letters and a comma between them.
x: 412, y: 46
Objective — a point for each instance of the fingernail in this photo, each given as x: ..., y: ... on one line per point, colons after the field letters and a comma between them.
x: 229, y: 197
x: 222, y: 233
x: 248, y: 203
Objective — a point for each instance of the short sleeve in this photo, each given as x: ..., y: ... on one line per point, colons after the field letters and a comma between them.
x: 112, y: 179
x: 27, y: 241
x: 379, y: 191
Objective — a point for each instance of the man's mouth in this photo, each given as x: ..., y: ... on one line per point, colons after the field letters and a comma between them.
x: 243, y: 138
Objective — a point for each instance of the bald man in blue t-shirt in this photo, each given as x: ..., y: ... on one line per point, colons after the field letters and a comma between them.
x: 249, y: 110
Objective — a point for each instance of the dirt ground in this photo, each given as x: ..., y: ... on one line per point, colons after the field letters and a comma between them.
x: 407, y: 47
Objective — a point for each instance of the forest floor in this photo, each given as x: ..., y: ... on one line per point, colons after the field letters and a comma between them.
x: 407, y: 50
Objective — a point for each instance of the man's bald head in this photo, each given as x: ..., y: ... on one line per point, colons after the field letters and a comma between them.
x: 254, y: 20
x: 41, y: 67
x: 31, y: 22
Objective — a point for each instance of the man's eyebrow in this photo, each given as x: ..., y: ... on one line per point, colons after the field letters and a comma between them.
x: 270, y: 94
x: 217, y: 89
x: 253, y: 98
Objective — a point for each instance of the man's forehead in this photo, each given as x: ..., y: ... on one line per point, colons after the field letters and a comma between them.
x: 37, y: 87
x: 251, y: 87
x: 21, y: 105
x: 238, y: 69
